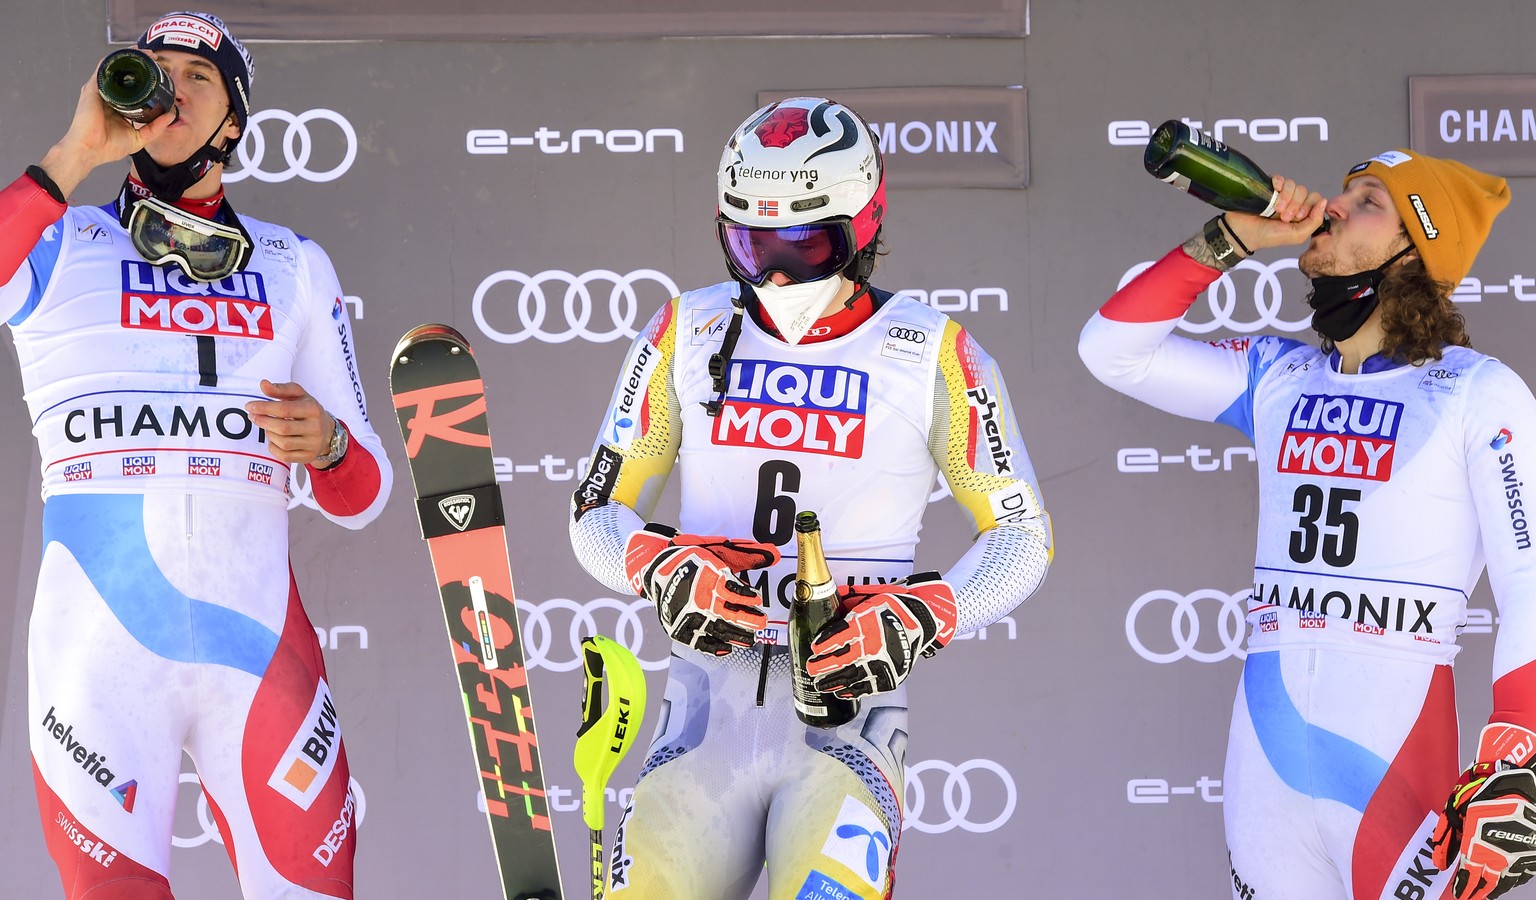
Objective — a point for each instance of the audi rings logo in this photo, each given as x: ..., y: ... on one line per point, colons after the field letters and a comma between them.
x: 205, y: 829
x: 553, y: 629
x: 300, y: 493
x: 902, y: 333
x: 1243, y: 310
x: 530, y: 315
x: 1184, y: 619
x: 297, y: 147
x: 977, y: 795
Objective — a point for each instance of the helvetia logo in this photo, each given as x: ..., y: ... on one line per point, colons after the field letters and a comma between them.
x: 94, y: 764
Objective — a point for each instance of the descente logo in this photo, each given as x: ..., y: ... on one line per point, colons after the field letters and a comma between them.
x: 1418, y: 206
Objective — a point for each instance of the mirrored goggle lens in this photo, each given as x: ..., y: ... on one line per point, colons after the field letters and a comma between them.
x: 207, y: 251
x: 803, y: 252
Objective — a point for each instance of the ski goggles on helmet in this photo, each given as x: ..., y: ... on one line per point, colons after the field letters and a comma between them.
x: 204, y: 249
x: 802, y: 252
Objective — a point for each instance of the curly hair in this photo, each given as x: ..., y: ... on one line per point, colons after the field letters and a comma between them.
x: 1417, y: 315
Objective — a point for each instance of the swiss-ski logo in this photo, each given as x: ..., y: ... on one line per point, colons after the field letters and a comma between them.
x: 458, y: 510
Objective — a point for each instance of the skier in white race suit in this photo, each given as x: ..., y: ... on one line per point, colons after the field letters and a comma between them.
x: 796, y: 386
x: 180, y: 362
x: 1390, y: 475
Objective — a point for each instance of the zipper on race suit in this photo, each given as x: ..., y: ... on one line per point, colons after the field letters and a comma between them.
x: 1312, y: 662
x: 762, y: 675
x: 188, y: 516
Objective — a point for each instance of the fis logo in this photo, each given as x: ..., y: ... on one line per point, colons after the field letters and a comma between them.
x: 784, y: 406
x: 161, y: 298
x: 80, y: 471
x: 93, y: 233
x: 305, y: 767
x: 203, y: 465
x: 1348, y: 437
x: 709, y: 324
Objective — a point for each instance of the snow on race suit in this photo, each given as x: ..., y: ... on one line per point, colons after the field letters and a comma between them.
x: 166, y: 616
x: 1382, y: 494
x: 855, y: 428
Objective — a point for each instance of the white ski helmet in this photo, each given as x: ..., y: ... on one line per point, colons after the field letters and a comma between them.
x: 806, y: 166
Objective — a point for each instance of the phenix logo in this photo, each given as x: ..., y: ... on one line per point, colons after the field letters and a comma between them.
x: 1351, y: 437
x: 985, y: 408
x: 785, y: 406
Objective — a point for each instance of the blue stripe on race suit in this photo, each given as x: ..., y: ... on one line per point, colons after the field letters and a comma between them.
x: 1262, y: 353
x: 105, y: 534
x: 1348, y: 773
x: 44, y: 257
x: 1240, y: 414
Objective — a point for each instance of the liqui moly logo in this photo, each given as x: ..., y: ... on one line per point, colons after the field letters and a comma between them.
x: 1348, y: 437
x: 784, y: 406
x: 203, y: 465
x: 80, y: 471
x: 261, y: 473
x: 139, y: 465
x: 161, y: 298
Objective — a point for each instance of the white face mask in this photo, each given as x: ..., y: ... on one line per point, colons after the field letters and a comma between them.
x: 794, y: 308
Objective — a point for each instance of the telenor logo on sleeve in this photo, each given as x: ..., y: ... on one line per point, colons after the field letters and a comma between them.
x: 784, y: 406
x: 1347, y: 437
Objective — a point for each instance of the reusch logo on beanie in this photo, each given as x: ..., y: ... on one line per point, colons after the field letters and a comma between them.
x: 1447, y: 207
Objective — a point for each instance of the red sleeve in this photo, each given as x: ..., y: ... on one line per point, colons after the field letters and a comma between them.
x: 1514, y: 697
x: 25, y: 210
x: 350, y: 486
x: 1162, y: 292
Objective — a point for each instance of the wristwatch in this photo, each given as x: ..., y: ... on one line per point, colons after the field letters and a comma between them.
x: 336, y: 450
x: 1226, y: 255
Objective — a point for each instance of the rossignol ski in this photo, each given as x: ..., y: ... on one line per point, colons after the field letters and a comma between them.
x: 440, y: 401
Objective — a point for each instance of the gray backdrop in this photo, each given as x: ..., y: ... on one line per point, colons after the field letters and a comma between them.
x: 1074, y: 749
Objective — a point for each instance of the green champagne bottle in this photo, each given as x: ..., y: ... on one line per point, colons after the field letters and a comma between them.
x: 815, y: 605
x: 1209, y: 170
x: 133, y: 84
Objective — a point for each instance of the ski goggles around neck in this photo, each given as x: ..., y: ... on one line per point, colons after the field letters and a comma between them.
x: 802, y: 252
x: 204, y: 249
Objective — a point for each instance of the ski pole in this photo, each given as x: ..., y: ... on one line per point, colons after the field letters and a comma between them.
x: 605, y: 734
